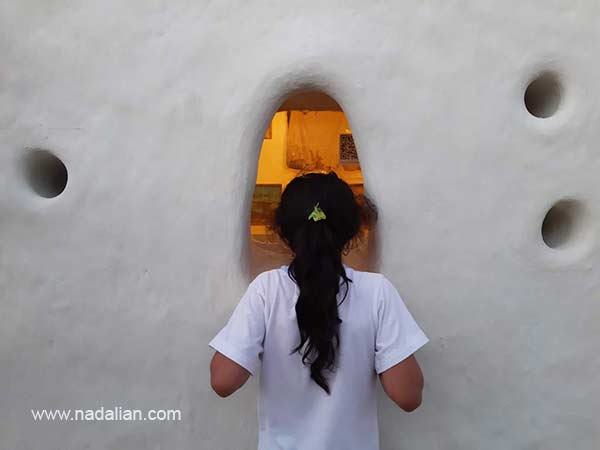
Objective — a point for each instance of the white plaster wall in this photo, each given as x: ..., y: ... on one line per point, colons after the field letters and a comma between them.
x: 111, y: 291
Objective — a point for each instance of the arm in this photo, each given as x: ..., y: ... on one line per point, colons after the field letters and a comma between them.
x: 239, y: 344
x: 403, y: 383
x: 226, y: 376
x: 398, y: 337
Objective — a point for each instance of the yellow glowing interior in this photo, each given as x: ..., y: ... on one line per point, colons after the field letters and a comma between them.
x: 283, y: 136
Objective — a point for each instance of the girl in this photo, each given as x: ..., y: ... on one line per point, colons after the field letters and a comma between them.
x: 319, y: 331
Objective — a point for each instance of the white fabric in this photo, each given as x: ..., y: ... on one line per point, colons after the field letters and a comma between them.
x: 294, y: 413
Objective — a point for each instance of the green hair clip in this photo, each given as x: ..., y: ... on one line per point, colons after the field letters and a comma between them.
x: 317, y: 214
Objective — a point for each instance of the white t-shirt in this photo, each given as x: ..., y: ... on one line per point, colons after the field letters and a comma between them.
x: 294, y: 413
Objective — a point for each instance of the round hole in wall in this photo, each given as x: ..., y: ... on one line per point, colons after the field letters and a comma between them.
x: 45, y: 172
x: 543, y: 95
x: 563, y: 223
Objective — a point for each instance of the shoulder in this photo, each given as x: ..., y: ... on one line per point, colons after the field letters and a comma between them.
x: 268, y: 279
x: 260, y: 281
x: 376, y: 286
x: 367, y: 286
x: 365, y: 281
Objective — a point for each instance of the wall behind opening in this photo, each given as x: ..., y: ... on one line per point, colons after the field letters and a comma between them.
x: 111, y: 290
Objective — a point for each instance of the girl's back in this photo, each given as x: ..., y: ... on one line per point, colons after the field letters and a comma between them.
x: 376, y: 332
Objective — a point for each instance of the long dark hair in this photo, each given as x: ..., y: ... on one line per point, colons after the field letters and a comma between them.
x: 316, y: 268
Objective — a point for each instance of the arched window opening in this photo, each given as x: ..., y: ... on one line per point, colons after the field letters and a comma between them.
x: 308, y: 133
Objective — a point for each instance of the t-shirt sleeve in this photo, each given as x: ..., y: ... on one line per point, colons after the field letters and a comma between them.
x: 242, y: 338
x: 398, y: 335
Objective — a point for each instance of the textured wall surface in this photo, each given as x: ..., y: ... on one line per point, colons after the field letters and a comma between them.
x: 111, y: 290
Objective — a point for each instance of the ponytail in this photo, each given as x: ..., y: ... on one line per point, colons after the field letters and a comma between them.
x: 317, y: 270
x: 317, y: 266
